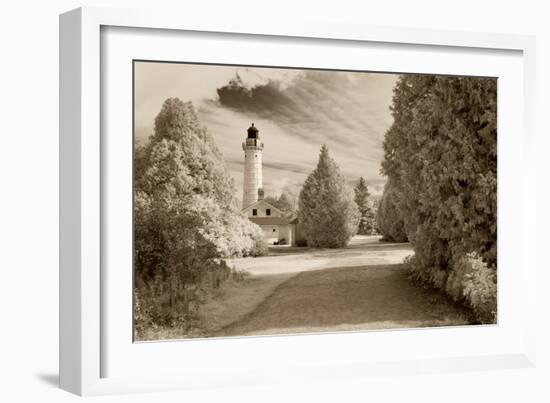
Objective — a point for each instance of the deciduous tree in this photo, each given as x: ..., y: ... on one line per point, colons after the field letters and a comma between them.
x: 287, y: 202
x: 185, y: 214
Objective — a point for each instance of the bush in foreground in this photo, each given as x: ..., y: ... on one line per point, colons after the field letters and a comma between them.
x: 470, y: 282
x: 185, y: 219
x: 473, y: 282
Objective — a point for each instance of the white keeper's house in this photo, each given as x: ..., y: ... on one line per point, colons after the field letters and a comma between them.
x: 275, y: 226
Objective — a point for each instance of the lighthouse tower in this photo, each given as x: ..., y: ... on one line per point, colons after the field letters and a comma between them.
x: 252, y: 166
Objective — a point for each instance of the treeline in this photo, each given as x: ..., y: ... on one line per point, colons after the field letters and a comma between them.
x: 287, y: 202
x: 368, y: 208
x: 186, y: 220
x: 441, y: 162
x: 329, y: 211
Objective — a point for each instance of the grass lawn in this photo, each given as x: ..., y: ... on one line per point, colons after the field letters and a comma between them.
x: 350, y: 298
x: 229, y: 303
x: 300, y: 290
x: 238, y: 299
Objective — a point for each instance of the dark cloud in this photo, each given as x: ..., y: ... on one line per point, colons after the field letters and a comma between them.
x: 339, y: 108
x: 296, y: 111
x: 259, y: 99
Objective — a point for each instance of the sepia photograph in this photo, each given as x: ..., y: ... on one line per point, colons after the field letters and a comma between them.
x: 279, y: 200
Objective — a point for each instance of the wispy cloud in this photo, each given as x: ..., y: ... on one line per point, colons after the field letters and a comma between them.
x: 341, y: 109
x: 296, y: 111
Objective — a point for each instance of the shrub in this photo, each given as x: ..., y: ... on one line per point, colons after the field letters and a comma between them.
x: 260, y: 246
x: 301, y: 243
x: 471, y: 281
x: 427, y: 275
x: 234, y: 234
x: 441, y: 160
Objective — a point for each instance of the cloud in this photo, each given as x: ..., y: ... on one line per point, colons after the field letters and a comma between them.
x: 296, y: 111
x: 349, y: 112
x: 288, y: 167
x: 340, y: 109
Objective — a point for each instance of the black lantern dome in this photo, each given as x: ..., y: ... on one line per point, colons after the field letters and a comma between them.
x: 253, y: 132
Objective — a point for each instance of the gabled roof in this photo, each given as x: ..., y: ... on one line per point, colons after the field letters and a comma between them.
x: 269, y: 220
x: 262, y: 201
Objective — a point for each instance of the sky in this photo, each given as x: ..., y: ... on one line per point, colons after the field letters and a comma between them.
x: 296, y: 111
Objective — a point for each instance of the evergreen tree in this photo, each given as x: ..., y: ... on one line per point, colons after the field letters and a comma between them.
x: 365, y: 208
x: 373, y: 217
x: 326, y: 210
x: 390, y: 223
x: 441, y: 160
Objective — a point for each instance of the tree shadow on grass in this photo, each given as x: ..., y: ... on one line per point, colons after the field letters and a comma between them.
x: 350, y: 296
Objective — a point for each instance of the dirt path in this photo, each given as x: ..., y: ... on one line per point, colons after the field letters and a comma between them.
x: 362, y: 251
x: 363, y: 286
x: 350, y: 298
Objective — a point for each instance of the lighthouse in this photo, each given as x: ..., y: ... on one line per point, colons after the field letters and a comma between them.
x: 253, y: 181
x: 277, y: 229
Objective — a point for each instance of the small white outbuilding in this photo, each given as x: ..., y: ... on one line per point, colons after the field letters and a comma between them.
x: 275, y: 226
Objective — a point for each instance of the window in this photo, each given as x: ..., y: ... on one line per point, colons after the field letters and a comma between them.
x: 254, y: 211
x: 267, y: 211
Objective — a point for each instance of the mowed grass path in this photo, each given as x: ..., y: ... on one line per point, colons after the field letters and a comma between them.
x: 350, y: 298
x: 296, y: 290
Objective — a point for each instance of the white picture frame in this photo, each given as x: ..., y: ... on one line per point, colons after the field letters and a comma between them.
x: 84, y: 339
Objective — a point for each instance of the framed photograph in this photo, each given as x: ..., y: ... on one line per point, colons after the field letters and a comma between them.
x: 244, y: 206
